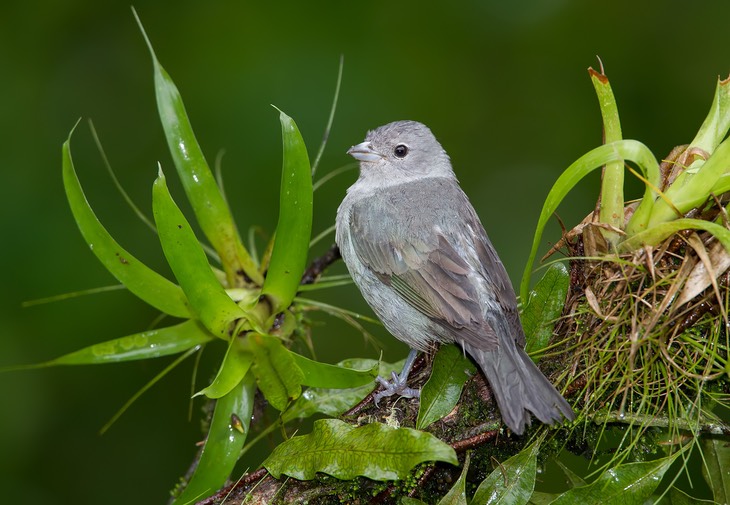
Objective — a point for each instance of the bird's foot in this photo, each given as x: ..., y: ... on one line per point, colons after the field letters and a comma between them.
x: 399, y: 383
x: 397, y: 386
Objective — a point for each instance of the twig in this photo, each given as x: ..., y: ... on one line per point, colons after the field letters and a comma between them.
x: 319, y: 265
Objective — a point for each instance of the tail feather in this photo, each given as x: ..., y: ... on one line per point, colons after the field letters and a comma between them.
x: 519, y: 386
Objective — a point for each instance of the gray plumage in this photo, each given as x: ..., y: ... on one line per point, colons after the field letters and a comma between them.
x: 422, y: 260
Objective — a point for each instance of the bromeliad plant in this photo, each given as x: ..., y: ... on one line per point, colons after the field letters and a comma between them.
x: 252, y: 308
x: 646, y: 322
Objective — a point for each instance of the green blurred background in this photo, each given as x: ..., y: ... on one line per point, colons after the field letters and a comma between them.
x: 502, y: 84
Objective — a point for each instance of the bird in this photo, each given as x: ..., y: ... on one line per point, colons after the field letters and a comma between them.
x: 416, y: 249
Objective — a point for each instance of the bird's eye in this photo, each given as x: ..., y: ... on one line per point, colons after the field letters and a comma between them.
x: 400, y: 151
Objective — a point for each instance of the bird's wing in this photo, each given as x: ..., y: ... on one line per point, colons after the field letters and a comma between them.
x: 439, y: 260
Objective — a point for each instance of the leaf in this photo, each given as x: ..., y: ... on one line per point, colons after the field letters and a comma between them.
x: 574, y: 479
x: 142, y: 281
x: 659, y: 232
x: 678, y: 497
x: 293, y: 231
x: 545, y: 306
x: 208, y: 203
x: 629, y: 484
x: 323, y: 375
x: 713, y: 129
x: 616, y: 151
x: 512, y: 482
x: 612, y: 183
x: 692, y: 192
x: 209, y: 301
x: 335, y: 402
x: 716, y: 469
x: 450, y: 371
x: 539, y: 498
x: 143, y: 345
x: 236, y: 364
x: 375, y: 451
x: 457, y: 493
x: 278, y: 376
x: 223, y: 443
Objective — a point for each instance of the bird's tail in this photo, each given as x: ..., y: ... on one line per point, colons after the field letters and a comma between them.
x: 519, y: 386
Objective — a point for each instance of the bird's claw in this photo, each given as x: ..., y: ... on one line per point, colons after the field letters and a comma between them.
x: 397, y: 386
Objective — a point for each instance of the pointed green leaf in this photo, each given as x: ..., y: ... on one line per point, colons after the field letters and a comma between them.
x: 512, y: 482
x: 695, y: 190
x: 716, y: 469
x: 208, y: 203
x: 236, y: 364
x: 145, y: 283
x: 294, y: 229
x: 457, y: 493
x: 223, y: 444
x: 629, y: 484
x: 545, y: 306
x: 659, y: 232
x: 451, y: 369
x: 612, y: 183
x: 678, y: 497
x: 278, y: 376
x: 208, y: 300
x: 375, y: 450
x: 335, y: 402
x: 324, y: 375
x: 574, y: 479
x: 539, y: 498
x: 713, y: 129
x: 630, y: 150
x: 143, y: 345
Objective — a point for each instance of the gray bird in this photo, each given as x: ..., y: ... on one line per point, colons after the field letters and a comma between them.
x: 420, y: 256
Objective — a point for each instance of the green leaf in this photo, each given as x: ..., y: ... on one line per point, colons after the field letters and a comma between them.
x: 144, y: 345
x: 713, y: 129
x: 539, y: 498
x: 512, y: 482
x: 545, y: 306
x: 659, y: 232
x: 629, y: 484
x: 323, y: 375
x: 716, y: 469
x: 293, y: 231
x: 375, y: 451
x: 695, y: 190
x: 457, y: 493
x: 612, y: 183
x: 223, y: 443
x: 574, y: 479
x: 209, y: 301
x: 144, y: 282
x: 335, y: 402
x: 236, y: 364
x: 208, y: 203
x: 450, y: 371
x: 678, y: 497
x: 631, y: 150
x: 277, y: 374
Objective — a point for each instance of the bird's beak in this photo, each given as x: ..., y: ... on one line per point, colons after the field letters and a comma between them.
x: 364, y: 152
